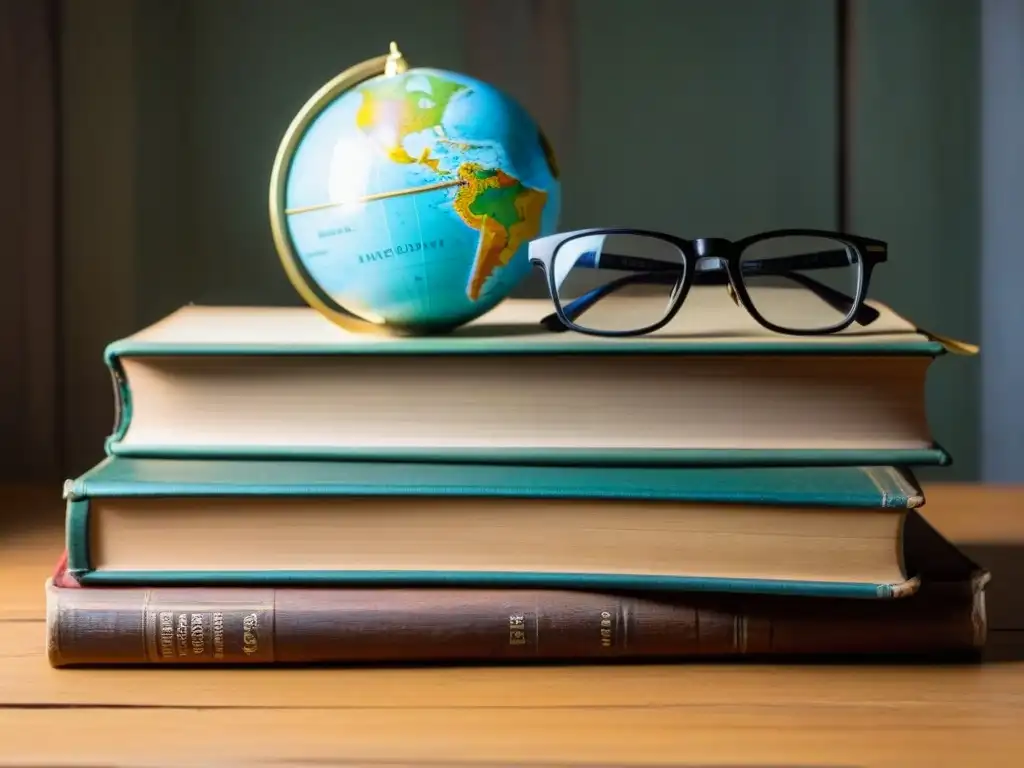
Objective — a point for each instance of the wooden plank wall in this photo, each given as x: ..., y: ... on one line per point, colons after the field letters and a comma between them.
x: 30, y: 309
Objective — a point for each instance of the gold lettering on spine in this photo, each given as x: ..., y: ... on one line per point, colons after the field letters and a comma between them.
x: 250, y: 634
x: 165, y: 634
x: 197, y: 634
x: 516, y: 629
x: 181, y: 634
x: 218, y: 636
x: 221, y: 629
x: 606, y: 629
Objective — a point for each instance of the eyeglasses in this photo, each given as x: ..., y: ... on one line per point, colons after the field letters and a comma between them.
x: 767, y: 274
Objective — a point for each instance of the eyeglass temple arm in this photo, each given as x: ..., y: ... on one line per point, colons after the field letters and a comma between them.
x: 838, y: 300
x: 773, y: 266
x: 813, y: 260
x: 662, y: 272
x: 786, y: 266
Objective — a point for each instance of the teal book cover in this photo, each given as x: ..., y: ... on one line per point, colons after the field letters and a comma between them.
x: 282, y: 383
x: 119, y: 483
x: 868, y: 487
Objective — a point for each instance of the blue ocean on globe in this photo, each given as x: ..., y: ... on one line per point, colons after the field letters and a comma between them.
x: 410, y: 199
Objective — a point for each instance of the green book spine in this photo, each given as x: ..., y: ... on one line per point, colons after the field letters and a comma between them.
x: 867, y: 486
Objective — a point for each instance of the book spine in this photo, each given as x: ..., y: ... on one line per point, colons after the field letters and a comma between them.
x: 107, y: 626
x: 122, y: 402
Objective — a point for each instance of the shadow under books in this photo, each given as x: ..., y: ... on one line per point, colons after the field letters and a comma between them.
x: 993, y: 655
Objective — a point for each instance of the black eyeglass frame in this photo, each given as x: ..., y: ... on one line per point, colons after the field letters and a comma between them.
x: 870, y: 251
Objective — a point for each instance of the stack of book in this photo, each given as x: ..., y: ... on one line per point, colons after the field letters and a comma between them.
x: 277, y: 491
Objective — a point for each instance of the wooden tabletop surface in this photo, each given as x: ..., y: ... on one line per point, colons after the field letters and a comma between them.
x: 686, y: 714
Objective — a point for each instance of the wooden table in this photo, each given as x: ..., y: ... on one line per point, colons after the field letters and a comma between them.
x: 970, y: 715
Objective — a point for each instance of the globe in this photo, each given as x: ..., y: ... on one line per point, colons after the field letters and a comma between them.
x: 409, y: 199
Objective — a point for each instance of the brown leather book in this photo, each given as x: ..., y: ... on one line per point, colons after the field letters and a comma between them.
x: 212, y: 625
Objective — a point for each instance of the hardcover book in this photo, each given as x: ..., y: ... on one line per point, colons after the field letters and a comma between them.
x: 842, y: 531
x: 265, y: 625
x: 713, y: 387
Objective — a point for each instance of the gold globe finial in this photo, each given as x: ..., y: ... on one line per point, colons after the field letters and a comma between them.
x: 395, y: 63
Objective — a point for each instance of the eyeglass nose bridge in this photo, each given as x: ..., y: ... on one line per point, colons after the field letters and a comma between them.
x: 717, y: 264
x: 712, y: 246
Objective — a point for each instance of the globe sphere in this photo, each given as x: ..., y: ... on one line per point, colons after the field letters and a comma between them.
x: 409, y: 199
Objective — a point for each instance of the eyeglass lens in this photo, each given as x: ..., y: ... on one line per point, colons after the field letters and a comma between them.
x: 802, y: 283
x: 596, y: 275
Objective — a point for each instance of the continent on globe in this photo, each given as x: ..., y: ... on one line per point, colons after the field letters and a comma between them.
x: 503, y: 210
x: 391, y: 111
x: 410, y: 198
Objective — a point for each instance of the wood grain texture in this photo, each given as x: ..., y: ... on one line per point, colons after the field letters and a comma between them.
x: 969, y: 513
x: 688, y: 715
x: 734, y: 734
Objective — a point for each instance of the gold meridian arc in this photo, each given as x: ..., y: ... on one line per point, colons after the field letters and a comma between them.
x: 375, y: 196
x: 388, y: 65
